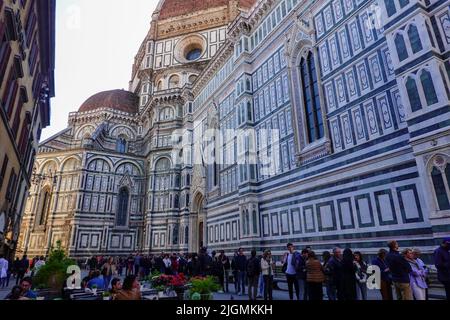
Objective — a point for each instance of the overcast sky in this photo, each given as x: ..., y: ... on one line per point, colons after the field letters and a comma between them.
x: 96, y: 41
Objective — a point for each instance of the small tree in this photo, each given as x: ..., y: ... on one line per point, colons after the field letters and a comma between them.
x: 54, y: 273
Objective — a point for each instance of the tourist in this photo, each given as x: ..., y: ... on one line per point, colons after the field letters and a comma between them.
x: 235, y: 271
x: 241, y: 267
x: 226, y: 266
x: 85, y: 281
x: 4, y: 266
x: 348, y: 277
x: 167, y: 265
x: 417, y: 276
x: 16, y: 267
x: 109, y: 270
x: 331, y: 294
x: 361, y: 275
x: 39, y: 264
x: 174, y: 264
x: 194, y: 268
x: 131, y: 289
x: 301, y: 273
x: 16, y: 294
x: 182, y: 263
x: 267, y: 271
x: 334, y: 271
x: 217, y: 270
x: 290, y: 269
x: 253, y: 272
x: 116, y: 286
x: 442, y: 263
x: 22, y: 268
x: 97, y: 281
x: 26, y: 285
x: 400, y: 270
x: 92, y: 263
x: 386, y: 281
x: 137, y: 264
x: 315, y: 277
x: 205, y: 262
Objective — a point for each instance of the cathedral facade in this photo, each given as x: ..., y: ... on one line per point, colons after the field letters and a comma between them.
x: 256, y: 123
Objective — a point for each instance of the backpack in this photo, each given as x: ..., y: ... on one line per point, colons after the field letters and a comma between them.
x: 252, y: 267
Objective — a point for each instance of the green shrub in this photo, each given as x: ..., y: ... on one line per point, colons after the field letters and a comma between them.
x: 204, y: 286
x: 53, y: 274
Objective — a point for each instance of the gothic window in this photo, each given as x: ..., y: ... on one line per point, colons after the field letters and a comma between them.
x: 45, y: 207
x: 175, y: 235
x: 163, y: 165
x: 311, y: 99
x: 166, y: 114
x: 192, y: 78
x: 439, y: 183
x: 186, y: 235
x: 122, y: 212
x: 401, y: 47
x: 177, y: 202
x: 413, y: 94
x: 160, y: 85
x: 121, y: 145
x: 428, y: 88
x: 390, y: 7
x: 255, y: 222
x: 414, y: 39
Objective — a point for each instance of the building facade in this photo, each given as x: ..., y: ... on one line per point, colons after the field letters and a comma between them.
x: 27, y: 48
x: 260, y: 123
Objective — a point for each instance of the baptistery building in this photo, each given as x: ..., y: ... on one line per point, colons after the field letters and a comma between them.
x: 253, y: 123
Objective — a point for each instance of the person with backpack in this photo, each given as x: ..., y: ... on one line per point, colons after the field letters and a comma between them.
x: 253, y: 272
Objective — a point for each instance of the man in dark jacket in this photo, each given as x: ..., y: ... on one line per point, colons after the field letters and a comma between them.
x: 334, y: 272
x: 400, y: 270
x: 442, y: 262
x: 293, y: 266
x: 23, y: 268
x: 241, y: 267
x: 253, y: 272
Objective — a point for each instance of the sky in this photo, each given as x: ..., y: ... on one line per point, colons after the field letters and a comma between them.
x: 96, y: 41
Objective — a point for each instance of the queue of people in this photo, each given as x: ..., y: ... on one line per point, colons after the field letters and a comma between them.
x: 339, y: 275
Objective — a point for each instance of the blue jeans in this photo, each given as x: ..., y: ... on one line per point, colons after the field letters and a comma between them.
x: 331, y: 292
x: 107, y: 280
x: 261, y: 285
x: 241, y: 282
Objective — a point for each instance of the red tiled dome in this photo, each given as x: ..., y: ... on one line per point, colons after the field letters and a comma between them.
x: 120, y: 100
x: 176, y: 8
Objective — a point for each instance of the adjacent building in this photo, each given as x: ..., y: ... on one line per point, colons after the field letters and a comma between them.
x: 27, y: 49
x: 256, y: 123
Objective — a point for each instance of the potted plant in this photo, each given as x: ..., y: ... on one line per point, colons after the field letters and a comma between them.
x: 203, y: 288
x: 94, y: 289
x: 106, y: 296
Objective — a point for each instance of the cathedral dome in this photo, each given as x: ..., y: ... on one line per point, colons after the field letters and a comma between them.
x: 176, y: 8
x: 119, y: 100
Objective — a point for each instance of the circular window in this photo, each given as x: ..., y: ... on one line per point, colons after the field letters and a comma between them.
x: 194, y: 54
x: 190, y: 49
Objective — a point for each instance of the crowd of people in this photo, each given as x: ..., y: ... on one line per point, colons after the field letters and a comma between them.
x: 339, y: 275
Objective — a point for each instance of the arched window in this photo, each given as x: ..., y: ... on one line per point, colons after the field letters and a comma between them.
x: 188, y: 180
x: 401, y: 47
x: 192, y: 78
x: 247, y: 221
x: 45, y: 208
x: 177, y: 202
x: 121, y: 145
x: 122, y: 212
x: 413, y: 95
x: 414, y: 39
x: 390, y: 7
x: 166, y: 114
x: 175, y: 236
x: 255, y: 222
x: 160, y: 85
x: 163, y: 165
x: 311, y: 99
x: 440, y: 190
x: 428, y: 87
x: 174, y: 82
x: 186, y: 235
